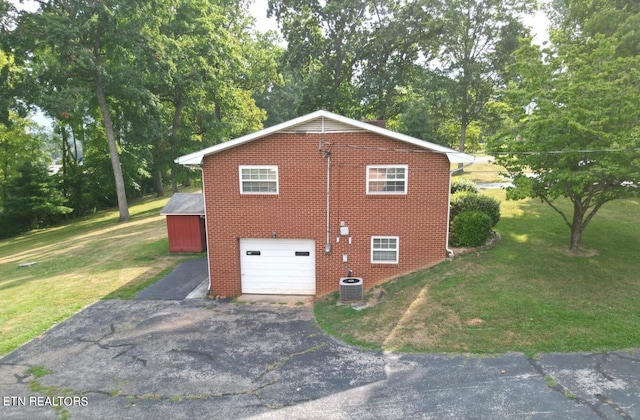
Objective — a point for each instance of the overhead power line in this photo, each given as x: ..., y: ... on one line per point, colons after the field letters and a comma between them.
x: 549, y: 152
x: 563, y: 152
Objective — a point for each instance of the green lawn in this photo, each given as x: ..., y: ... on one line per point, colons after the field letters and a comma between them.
x: 76, y: 264
x: 525, y: 294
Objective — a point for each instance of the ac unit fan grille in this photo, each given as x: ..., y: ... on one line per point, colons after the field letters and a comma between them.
x: 351, y: 290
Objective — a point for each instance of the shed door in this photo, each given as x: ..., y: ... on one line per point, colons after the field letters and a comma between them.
x: 278, y: 266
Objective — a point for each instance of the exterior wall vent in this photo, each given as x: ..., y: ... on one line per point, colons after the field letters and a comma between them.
x: 323, y: 125
x: 351, y: 289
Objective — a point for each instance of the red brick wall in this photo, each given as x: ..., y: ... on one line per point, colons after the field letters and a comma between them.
x: 299, y: 210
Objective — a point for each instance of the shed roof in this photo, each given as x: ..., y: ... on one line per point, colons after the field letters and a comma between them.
x: 185, y: 205
x: 324, y: 122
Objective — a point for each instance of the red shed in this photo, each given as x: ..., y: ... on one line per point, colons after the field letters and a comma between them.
x: 186, y: 223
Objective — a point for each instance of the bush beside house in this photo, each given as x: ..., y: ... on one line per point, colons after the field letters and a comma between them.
x: 470, y: 228
x: 472, y: 215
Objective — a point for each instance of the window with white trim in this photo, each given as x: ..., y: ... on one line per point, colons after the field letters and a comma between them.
x: 387, y: 179
x: 258, y: 179
x: 385, y: 249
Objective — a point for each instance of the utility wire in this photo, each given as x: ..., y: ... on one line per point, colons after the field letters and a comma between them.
x: 549, y: 152
x: 562, y: 152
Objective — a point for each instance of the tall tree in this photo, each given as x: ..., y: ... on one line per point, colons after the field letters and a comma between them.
x: 201, y: 64
x: 92, y: 43
x: 575, y: 112
x: 478, y: 38
x: 322, y: 43
x: 355, y: 57
x: 18, y: 144
x: 33, y: 200
x: 401, y: 35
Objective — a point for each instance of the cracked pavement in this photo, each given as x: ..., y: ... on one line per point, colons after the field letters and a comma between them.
x: 202, y: 358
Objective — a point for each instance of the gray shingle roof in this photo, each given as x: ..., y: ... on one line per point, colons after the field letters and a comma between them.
x: 184, y: 204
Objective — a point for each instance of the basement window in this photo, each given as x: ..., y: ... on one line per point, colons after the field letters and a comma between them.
x: 385, y: 249
x: 258, y: 179
x: 387, y: 179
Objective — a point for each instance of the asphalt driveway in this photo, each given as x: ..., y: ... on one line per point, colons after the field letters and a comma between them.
x: 182, y: 282
x: 144, y: 359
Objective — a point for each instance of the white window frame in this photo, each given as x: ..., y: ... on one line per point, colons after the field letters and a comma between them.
x: 396, y: 249
x: 269, y: 167
x: 406, y: 179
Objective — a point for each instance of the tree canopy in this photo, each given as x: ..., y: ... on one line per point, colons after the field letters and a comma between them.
x: 574, y: 120
x: 131, y: 85
x: 134, y: 84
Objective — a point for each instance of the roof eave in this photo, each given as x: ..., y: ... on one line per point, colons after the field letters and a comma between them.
x: 182, y: 214
x: 196, y: 158
x: 459, y: 157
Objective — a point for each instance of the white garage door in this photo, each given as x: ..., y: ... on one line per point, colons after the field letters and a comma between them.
x: 278, y: 266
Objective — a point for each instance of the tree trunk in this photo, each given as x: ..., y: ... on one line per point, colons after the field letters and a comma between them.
x: 5, y: 172
x: 65, y: 147
x: 464, y: 121
x: 463, y: 140
x: 123, y: 207
x: 174, y: 178
x: 576, y: 235
x: 175, y: 126
x: 157, y: 179
x: 576, y: 227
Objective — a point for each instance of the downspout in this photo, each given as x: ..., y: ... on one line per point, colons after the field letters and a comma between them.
x: 327, y: 244
x: 327, y: 154
x: 449, y: 250
x: 206, y: 230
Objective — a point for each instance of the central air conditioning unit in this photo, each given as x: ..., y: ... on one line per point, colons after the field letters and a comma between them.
x: 351, y: 289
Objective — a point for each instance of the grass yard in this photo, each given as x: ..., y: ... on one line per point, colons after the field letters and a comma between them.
x: 525, y: 294
x: 76, y: 264
x: 484, y: 170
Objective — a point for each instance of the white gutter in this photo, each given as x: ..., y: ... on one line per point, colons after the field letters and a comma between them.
x: 206, y: 231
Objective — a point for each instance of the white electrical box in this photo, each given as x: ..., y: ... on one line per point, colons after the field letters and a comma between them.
x: 344, y: 230
x: 345, y: 258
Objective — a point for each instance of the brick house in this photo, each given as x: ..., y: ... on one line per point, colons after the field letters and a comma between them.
x: 293, y: 208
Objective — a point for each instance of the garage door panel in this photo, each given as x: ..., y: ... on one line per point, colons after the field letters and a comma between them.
x: 292, y: 290
x: 281, y: 271
x: 290, y: 260
x: 278, y: 266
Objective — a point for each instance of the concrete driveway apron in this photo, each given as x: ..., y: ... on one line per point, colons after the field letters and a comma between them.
x: 199, y: 358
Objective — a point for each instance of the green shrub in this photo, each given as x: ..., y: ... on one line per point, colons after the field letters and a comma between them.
x: 33, y: 200
x: 466, y: 201
x: 470, y: 228
x: 462, y: 184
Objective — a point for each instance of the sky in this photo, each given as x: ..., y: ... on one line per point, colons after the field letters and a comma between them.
x: 259, y: 10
